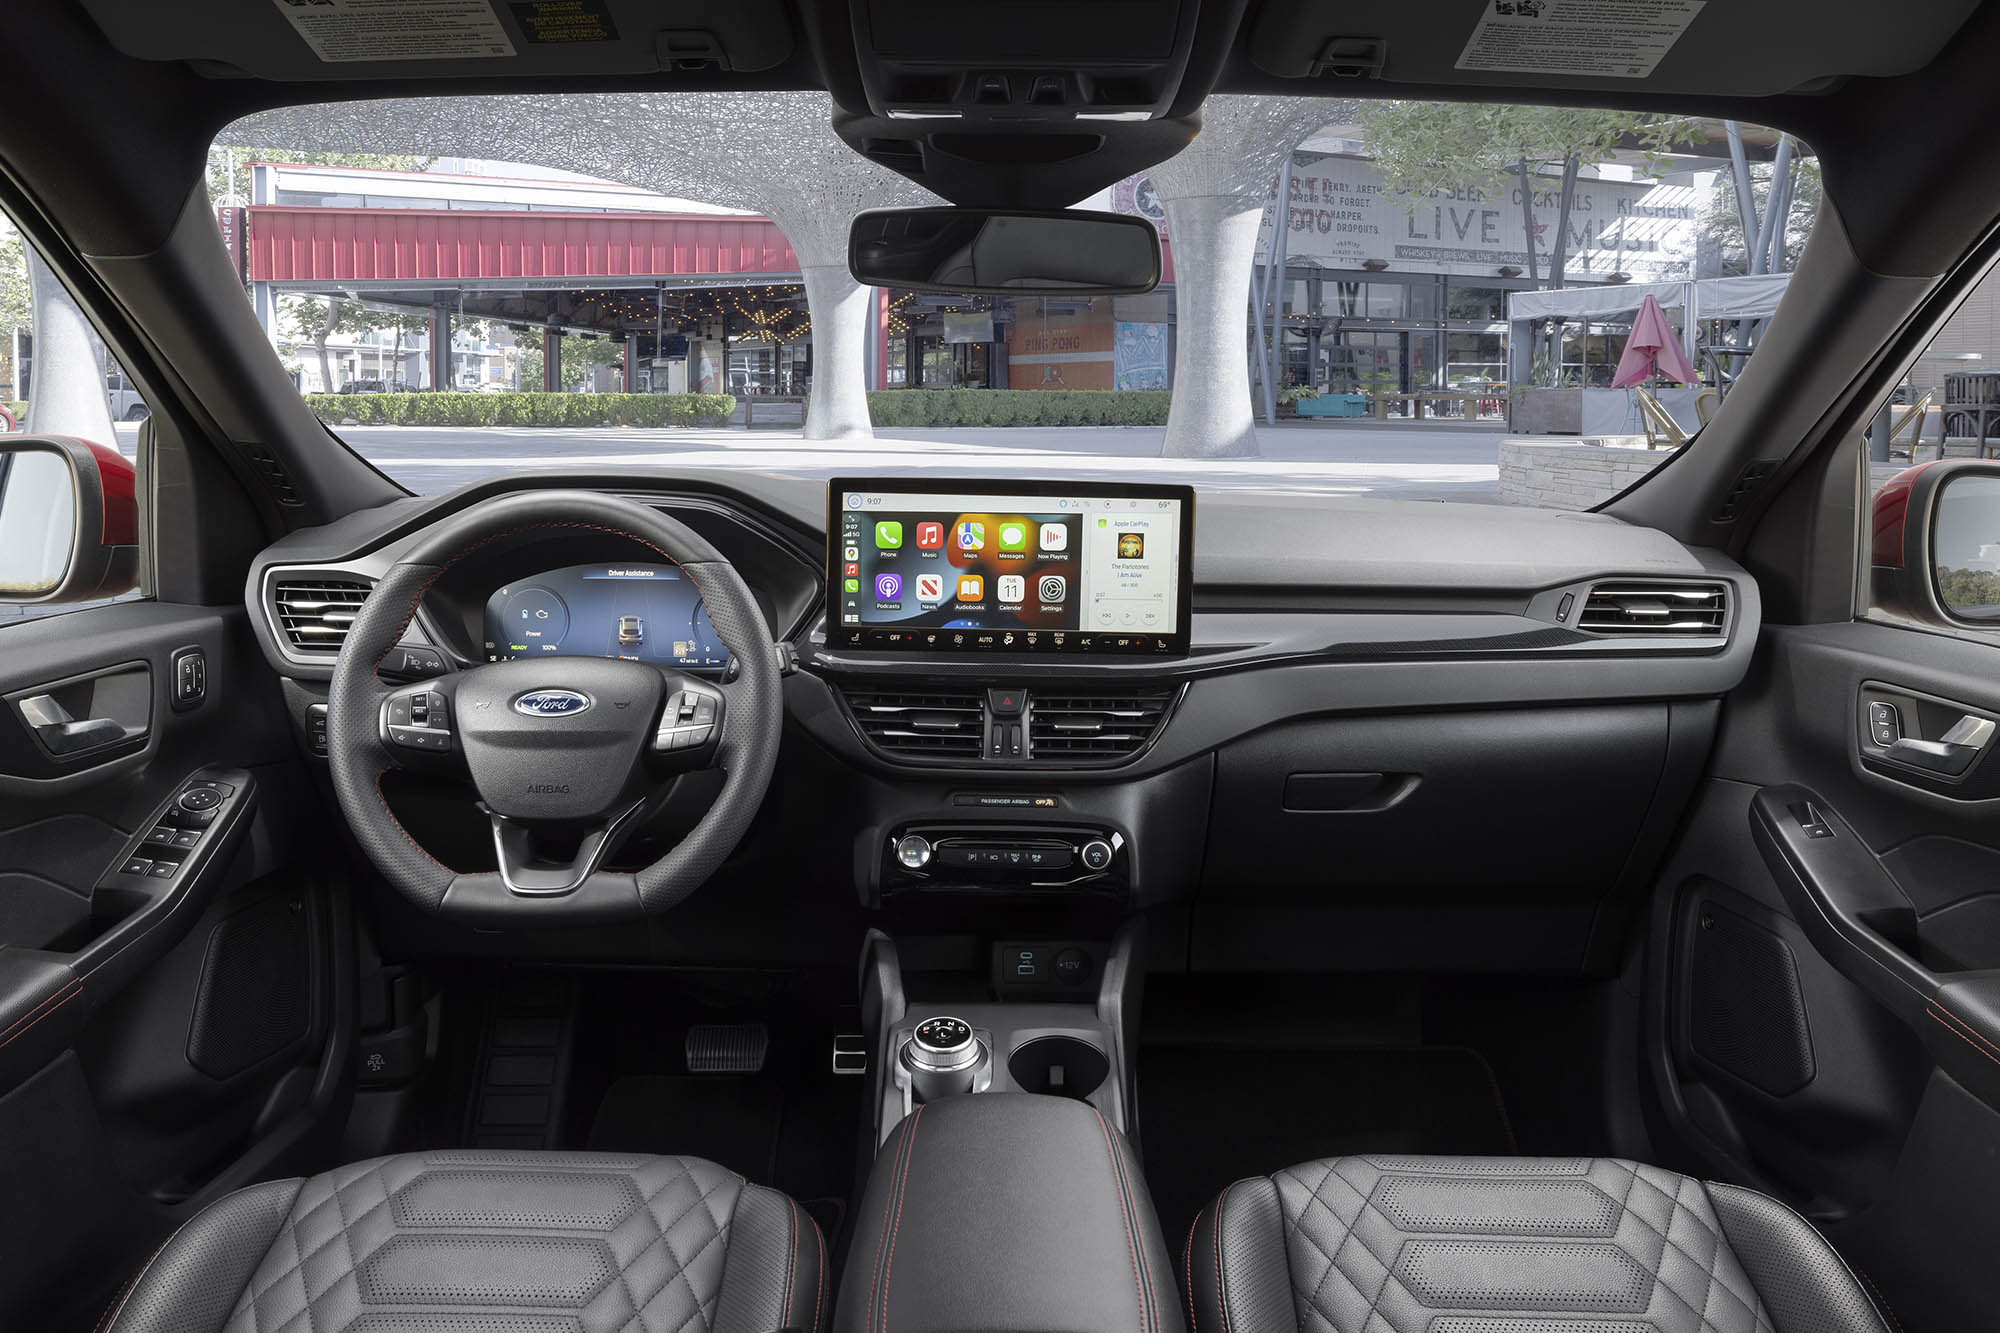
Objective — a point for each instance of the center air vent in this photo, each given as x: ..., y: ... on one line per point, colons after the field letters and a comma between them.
x: 1081, y: 728
x: 1636, y: 607
x: 315, y: 614
x: 938, y: 724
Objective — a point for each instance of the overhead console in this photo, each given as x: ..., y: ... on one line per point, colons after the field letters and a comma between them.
x: 1035, y: 103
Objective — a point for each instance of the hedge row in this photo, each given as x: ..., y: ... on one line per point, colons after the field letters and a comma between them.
x: 1019, y: 407
x: 523, y: 409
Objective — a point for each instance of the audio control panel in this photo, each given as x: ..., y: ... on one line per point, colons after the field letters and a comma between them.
x: 998, y: 857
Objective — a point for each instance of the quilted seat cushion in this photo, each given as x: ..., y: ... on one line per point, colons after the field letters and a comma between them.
x: 481, y: 1242
x: 1510, y: 1245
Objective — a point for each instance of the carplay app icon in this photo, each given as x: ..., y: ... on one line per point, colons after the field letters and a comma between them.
x: 888, y: 587
x: 930, y: 587
x: 1013, y: 588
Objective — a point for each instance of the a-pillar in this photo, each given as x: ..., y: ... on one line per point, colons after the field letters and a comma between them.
x: 552, y: 359
x: 440, y: 353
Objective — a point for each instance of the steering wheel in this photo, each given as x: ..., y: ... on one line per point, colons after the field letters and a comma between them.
x: 573, y: 752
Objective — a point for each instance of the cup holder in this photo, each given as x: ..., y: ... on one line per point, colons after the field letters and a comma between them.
x: 1058, y: 1066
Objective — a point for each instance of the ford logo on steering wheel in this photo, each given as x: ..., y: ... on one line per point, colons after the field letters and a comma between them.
x: 551, y: 703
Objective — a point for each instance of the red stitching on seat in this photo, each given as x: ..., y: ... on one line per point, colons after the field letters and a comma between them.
x: 1220, y: 1303
x: 45, y: 1008
x: 1125, y: 1216
x: 819, y: 1292
x: 1882, y: 1301
x: 875, y: 1287
x: 1194, y: 1325
x: 118, y: 1308
x: 889, y: 1269
x: 792, y: 1269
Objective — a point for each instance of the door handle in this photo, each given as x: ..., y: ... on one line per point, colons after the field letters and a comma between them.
x: 1950, y: 754
x: 62, y: 734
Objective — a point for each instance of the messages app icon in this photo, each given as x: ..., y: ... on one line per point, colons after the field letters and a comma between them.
x: 888, y: 534
x: 1013, y: 536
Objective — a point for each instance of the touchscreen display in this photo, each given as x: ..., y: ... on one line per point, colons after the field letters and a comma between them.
x: 936, y: 566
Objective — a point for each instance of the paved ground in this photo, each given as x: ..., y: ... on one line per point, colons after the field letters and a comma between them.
x: 1378, y: 460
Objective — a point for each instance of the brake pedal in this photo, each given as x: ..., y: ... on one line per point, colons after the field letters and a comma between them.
x: 727, y: 1048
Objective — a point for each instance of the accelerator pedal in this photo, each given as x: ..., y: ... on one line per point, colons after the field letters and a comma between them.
x: 727, y: 1048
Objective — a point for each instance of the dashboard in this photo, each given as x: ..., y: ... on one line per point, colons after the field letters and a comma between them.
x: 1330, y: 683
x: 643, y: 612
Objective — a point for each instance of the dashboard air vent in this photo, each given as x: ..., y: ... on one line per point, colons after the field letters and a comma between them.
x: 314, y: 614
x: 938, y: 724
x: 1084, y: 727
x: 1637, y: 607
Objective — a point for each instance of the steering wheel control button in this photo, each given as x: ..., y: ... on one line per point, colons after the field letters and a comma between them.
x: 420, y: 738
x: 1096, y: 854
x: 913, y: 852
x: 199, y: 799
x: 413, y: 660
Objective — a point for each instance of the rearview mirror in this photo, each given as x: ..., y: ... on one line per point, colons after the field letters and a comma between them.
x: 69, y: 521
x: 991, y: 252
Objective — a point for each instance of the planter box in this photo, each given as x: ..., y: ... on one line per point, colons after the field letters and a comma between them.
x: 1547, y: 412
x: 1334, y: 405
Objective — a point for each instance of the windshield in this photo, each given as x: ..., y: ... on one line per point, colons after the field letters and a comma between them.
x: 1404, y: 300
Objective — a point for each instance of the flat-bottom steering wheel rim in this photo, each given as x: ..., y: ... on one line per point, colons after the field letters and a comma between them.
x: 746, y: 752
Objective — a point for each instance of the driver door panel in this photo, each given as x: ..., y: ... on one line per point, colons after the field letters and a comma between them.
x: 160, y: 1038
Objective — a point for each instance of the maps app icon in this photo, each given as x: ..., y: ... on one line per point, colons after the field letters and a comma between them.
x: 971, y: 536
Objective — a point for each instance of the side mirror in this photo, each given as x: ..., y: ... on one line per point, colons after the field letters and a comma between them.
x: 69, y: 521
x: 1936, y: 544
x: 993, y: 252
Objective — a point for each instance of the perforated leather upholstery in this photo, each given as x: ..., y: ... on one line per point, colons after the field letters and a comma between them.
x: 481, y: 1242
x: 1510, y: 1245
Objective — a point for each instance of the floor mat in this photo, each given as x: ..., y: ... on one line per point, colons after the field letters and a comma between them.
x: 1209, y: 1116
x: 731, y: 1121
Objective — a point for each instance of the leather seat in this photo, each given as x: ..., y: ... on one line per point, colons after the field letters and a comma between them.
x: 1511, y: 1245
x: 479, y: 1242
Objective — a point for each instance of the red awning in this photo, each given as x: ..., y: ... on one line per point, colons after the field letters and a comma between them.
x: 288, y: 244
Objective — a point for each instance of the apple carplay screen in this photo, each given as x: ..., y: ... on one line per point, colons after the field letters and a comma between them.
x: 1014, y: 567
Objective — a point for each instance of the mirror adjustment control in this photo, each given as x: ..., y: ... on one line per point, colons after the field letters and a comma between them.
x: 197, y: 800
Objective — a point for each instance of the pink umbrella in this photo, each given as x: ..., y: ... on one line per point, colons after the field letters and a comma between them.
x: 1652, y: 349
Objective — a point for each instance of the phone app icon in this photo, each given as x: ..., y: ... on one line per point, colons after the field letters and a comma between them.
x: 971, y: 536
x: 1055, y: 537
x: 1013, y: 536
x: 1052, y: 587
x: 1013, y: 588
x: 853, y: 585
x: 888, y: 587
x: 930, y: 536
x: 971, y: 588
x: 930, y: 587
x: 888, y: 534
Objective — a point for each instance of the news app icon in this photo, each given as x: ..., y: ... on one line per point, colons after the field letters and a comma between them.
x: 930, y: 587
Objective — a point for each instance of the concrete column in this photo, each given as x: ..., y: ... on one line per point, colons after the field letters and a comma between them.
x: 631, y: 362
x: 839, y: 308
x: 66, y: 384
x: 552, y: 359
x: 1215, y: 244
x: 440, y: 336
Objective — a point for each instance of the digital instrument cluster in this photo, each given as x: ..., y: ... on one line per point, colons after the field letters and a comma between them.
x: 648, y: 613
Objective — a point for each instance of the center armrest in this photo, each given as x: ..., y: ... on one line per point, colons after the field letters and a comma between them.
x: 1007, y: 1211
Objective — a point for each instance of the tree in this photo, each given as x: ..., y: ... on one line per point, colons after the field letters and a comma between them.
x: 314, y: 319
x: 229, y: 165
x: 1424, y: 149
x: 1722, y: 221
